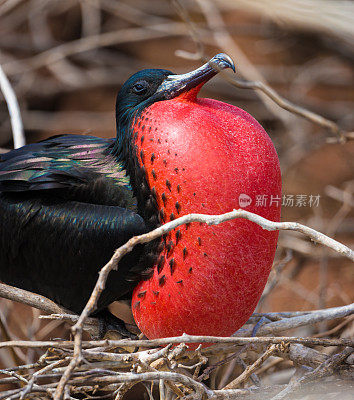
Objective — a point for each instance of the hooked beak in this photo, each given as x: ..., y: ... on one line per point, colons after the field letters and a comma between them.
x: 175, y: 85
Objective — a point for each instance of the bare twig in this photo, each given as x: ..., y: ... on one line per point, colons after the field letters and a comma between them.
x: 301, y: 355
x: 8, y: 6
x: 334, y: 20
x: 14, y: 110
x: 322, y: 370
x: 301, y: 320
x: 225, y: 42
x: 283, y: 321
x: 44, y: 304
x: 275, y: 273
x: 252, y: 368
x: 30, y: 299
x: 336, y: 328
x: 68, y: 344
x: 93, y: 42
x: 44, y: 370
x: 97, y: 370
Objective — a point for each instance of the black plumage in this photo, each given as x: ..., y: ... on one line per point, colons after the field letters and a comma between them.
x: 62, y: 217
x: 68, y: 202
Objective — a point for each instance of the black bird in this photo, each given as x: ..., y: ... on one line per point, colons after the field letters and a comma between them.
x: 68, y: 202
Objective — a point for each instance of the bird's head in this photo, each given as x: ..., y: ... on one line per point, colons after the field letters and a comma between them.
x: 151, y: 85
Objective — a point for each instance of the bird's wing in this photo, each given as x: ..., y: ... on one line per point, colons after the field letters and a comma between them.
x: 65, y: 206
x: 60, y: 162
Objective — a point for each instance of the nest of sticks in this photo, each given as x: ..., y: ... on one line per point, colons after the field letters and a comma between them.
x: 51, y: 50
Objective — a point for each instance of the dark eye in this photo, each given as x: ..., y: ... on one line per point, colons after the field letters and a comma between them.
x: 140, y: 87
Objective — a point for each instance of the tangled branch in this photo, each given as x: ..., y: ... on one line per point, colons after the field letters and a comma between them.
x: 255, y: 81
x: 14, y: 110
x: 158, y: 232
x: 96, y: 351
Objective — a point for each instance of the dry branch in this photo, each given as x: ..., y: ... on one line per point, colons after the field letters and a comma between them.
x: 252, y: 368
x: 210, y: 220
x: 68, y: 344
x: 14, y: 110
x: 30, y: 299
x: 321, y: 371
x: 158, y: 232
x: 74, y: 47
x: 255, y: 81
x: 48, y: 306
x: 301, y: 320
x: 336, y: 17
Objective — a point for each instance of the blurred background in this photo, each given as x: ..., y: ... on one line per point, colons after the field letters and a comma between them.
x: 66, y: 60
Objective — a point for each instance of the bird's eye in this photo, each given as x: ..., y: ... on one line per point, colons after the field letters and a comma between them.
x: 140, y: 87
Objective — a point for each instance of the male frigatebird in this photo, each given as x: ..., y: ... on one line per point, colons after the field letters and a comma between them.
x: 68, y: 202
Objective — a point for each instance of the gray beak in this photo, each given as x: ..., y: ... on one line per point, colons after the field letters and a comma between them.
x: 174, y: 85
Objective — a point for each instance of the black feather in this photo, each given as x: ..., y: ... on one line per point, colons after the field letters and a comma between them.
x: 68, y: 202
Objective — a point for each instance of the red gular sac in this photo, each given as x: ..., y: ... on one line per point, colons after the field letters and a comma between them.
x: 204, y: 156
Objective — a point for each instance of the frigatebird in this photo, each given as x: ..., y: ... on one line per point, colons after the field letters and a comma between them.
x: 66, y: 203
